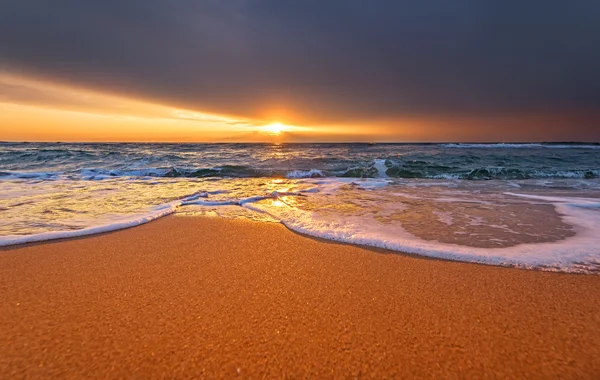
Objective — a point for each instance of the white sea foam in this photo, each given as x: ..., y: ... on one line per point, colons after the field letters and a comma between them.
x: 579, y: 253
x: 211, y: 203
x: 566, y: 173
x: 349, y: 210
x: 10, y: 174
x: 447, y: 176
x: 313, y: 173
x: 444, y: 217
x: 381, y: 168
x: 118, y: 224
x: 576, y: 201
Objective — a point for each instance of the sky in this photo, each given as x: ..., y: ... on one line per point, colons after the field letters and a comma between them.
x: 310, y: 70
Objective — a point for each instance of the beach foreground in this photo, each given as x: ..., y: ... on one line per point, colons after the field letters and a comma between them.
x: 189, y: 297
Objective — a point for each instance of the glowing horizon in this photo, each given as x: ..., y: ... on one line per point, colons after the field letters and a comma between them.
x: 39, y: 110
x: 45, y: 111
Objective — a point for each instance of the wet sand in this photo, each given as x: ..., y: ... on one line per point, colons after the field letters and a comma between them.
x: 190, y: 297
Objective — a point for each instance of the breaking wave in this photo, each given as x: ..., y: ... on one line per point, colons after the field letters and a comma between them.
x: 505, y: 204
x: 407, y: 171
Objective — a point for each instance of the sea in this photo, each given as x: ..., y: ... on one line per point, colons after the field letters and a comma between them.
x: 530, y: 205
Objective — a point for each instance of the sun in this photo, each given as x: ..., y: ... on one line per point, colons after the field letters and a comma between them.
x: 275, y: 129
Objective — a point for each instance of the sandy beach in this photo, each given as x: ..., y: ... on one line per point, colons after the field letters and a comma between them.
x: 192, y: 297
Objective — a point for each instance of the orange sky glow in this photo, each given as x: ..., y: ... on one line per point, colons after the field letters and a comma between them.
x: 34, y: 110
x: 38, y: 110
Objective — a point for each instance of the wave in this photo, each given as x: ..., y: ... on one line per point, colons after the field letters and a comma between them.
x: 312, y: 173
x: 481, y: 173
x: 233, y: 171
x: 459, y: 161
x: 495, y: 145
x: 519, y: 145
x: 9, y: 174
x: 378, y: 169
x: 372, y: 202
x: 128, y: 221
x: 122, y: 223
x: 577, y: 254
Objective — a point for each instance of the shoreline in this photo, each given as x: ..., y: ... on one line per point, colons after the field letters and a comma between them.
x: 108, y: 229
x: 188, y: 296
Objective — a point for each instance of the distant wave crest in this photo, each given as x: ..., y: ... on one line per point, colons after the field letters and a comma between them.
x: 519, y: 145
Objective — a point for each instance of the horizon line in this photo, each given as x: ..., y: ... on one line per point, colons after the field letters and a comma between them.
x: 298, y: 142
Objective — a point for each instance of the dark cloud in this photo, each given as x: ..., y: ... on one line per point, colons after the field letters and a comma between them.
x: 325, y: 60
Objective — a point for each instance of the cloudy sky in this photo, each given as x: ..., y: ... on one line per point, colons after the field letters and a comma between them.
x: 430, y: 70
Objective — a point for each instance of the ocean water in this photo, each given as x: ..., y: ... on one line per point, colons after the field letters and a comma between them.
x: 534, y: 206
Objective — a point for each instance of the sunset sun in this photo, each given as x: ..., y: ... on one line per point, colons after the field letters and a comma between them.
x: 275, y: 128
